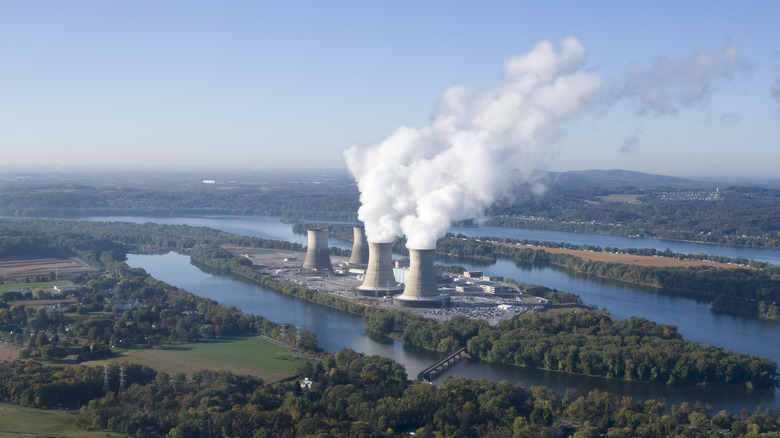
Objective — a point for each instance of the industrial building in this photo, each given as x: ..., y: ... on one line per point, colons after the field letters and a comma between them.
x: 317, y: 253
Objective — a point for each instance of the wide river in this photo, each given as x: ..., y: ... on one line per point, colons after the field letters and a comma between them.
x: 336, y: 330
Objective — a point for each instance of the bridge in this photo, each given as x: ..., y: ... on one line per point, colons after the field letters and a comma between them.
x: 427, y: 374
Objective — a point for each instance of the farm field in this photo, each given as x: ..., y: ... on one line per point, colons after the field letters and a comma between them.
x: 629, y: 259
x: 24, y: 267
x: 246, y: 355
x: 47, y: 286
x: 28, y: 422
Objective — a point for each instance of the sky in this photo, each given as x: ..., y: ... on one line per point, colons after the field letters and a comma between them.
x: 686, y: 88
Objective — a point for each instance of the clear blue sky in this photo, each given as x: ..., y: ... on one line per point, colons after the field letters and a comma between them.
x: 690, y: 88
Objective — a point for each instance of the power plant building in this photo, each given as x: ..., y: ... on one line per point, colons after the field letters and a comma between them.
x: 317, y: 253
x: 422, y: 289
x: 360, y: 252
x: 379, y: 279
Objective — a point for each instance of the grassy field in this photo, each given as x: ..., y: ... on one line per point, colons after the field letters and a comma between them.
x: 629, y: 259
x: 245, y: 355
x: 28, y: 422
x: 47, y: 286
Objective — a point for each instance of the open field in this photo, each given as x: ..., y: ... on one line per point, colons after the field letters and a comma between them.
x: 628, y: 259
x: 252, y: 356
x: 29, y: 422
x: 625, y: 198
x: 23, y: 267
x: 8, y: 352
x: 47, y: 286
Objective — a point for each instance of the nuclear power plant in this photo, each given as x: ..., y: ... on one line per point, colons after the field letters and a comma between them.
x: 317, y: 254
x: 359, y: 257
x: 415, y: 282
x: 379, y: 279
x: 422, y: 289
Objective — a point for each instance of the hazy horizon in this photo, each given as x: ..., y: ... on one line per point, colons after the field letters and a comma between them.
x: 685, y: 89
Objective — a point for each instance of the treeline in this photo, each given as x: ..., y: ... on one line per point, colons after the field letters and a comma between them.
x: 354, y: 395
x: 554, y: 296
x: 339, y: 231
x: 81, y: 201
x: 482, y: 247
x: 757, y: 290
x: 592, y: 343
x: 89, y: 240
x: 735, y: 216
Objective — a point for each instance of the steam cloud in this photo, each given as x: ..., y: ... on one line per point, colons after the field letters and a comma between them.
x: 672, y: 83
x: 418, y: 180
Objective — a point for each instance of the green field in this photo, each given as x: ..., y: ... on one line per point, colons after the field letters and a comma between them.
x: 245, y: 355
x: 24, y: 422
x: 47, y: 286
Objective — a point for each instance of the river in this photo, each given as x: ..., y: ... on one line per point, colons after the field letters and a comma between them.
x: 336, y: 330
x: 694, y: 319
x: 269, y: 227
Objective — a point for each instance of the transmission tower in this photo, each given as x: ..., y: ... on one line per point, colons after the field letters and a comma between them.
x: 121, y: 379
x: 106, y: 377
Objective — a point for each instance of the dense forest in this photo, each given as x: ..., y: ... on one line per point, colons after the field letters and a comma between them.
x: 357, y: 396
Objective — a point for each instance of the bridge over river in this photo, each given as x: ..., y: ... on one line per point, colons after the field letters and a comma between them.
x: 429, y: 373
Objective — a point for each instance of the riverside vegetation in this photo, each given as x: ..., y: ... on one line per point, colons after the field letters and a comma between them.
x: 354, y: 395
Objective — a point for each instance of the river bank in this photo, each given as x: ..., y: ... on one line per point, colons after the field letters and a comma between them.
x: 445, y: 337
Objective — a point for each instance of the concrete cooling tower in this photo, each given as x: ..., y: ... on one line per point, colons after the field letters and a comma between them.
x: 421, y: 289
x: 317, y: 254
x: 379, y: 280
x: 359, y: 255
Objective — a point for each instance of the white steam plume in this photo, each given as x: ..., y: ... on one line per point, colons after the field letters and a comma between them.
x: 418, y: 180
x: 672, y: 83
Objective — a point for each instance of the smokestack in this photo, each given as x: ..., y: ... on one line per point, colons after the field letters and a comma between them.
x: 379, y: 280
x: 421, y: 288
x: 317, y: 254
x: 359, y: 248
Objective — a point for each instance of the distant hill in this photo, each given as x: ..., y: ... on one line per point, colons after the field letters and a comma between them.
x: 619, y: 179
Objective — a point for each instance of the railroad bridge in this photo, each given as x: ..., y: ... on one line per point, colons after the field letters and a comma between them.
x: 427, y: 374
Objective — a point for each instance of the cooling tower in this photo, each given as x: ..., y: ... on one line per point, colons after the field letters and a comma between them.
x: 421, y: 289
x: 379, y: 280
x: 359, y: 255
x: 317, y: 254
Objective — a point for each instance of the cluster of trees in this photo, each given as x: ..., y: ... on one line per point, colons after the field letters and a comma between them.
x: 353, y: 395
x: 554, y: 296
x: 592, y: 343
